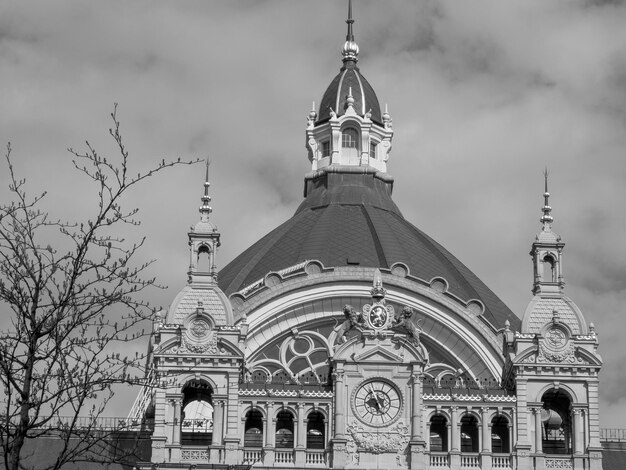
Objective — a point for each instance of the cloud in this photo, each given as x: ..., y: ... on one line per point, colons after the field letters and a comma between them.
x: 483, y: 95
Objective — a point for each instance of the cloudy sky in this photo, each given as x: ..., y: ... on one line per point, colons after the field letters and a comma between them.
x: 483, y: 94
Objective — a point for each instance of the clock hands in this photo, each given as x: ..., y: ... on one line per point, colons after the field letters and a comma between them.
x: 373, y: 392
x: 377, y: 403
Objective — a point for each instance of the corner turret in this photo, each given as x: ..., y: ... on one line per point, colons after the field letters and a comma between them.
x: 553, y: 362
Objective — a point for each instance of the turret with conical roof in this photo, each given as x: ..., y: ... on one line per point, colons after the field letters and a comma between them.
x: 554, y: 358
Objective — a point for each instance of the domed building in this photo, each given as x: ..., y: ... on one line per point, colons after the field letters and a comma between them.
x: 347, y: 338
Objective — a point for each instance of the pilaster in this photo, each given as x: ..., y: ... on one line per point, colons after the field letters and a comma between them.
x: 419, y: 459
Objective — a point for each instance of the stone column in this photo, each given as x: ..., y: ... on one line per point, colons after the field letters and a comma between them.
x: 486, y: 430
x: 455, y: 431
x: 512, y: 430
x: 339, y: 452
x: 300, y: 437
x: 269, y: 434
x: 177, y: 404
x: 540, y: 459
x: 416, y: 410
x: 456, y: 434
x: 218, y: 420
x: 579, y: 432
x: 215, y: 449
x: 538, y: 431
x: 302, y: 422
x: 578, y: 439
x: 340, y: 419
x: 417, y: 445
x: 486, y: 457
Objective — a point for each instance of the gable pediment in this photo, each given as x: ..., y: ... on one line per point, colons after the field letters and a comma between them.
x: 377, y: 354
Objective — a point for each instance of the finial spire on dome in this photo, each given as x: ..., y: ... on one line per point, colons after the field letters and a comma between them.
x: 205, y: 209
x: 349, y: 99
x: 350, y: 50
x: 546, y: 218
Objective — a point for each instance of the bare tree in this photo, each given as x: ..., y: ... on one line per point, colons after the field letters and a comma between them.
x: 69, y: 307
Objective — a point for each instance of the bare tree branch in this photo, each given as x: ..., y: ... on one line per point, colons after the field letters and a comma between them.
x: 70, y: 308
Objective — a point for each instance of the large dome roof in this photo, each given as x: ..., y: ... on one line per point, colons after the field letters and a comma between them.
x: 349, y: 219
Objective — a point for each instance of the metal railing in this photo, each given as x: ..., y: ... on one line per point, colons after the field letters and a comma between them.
x: 613, y: 435
x: 101, y: 423
x: 197, y: 425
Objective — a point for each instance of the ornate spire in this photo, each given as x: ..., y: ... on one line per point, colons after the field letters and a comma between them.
x: 205, y: 209
x: 350, y: 49
x: 349, y: 99
x: 546, y: 218
x: 203, y: 241
x: 546, y: 252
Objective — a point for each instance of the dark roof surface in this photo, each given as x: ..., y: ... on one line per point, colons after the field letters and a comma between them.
x: 613, y: 456
x: 365, y: 99
x: 350, y: 219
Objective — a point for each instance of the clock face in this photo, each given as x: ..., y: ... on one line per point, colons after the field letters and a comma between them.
x: 377, y: 403
x: 378, y: 316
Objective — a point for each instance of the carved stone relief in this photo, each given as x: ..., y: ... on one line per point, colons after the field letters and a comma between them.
x: 394, y: 440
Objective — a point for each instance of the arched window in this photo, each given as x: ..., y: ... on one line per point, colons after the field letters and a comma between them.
x: 500, y: 435
x: 438, y: 434
x: 315, y: 431
x: 284, y: 430
x: 253, y: 430
x: 350, y: 138
x: 258, y: 377
x: 549, y: 269
x: 350, y: 146
x: 448, y: 381
x: 197, y: 414
x: 469, y: 434
x: 204, y: 259
x: 557, y: 426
